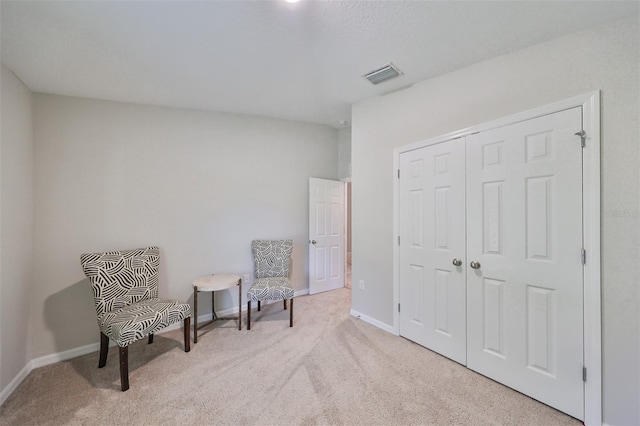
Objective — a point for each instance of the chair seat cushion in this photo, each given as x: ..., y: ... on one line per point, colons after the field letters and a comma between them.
x: 271, y: 288
x: 140, y: 319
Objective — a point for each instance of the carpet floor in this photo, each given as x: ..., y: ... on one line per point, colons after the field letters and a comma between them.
x: 330, y: 368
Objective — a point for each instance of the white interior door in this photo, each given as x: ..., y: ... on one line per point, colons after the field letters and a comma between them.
x: 524, y: 222
x: 432, y: 238
x: 326, y: 235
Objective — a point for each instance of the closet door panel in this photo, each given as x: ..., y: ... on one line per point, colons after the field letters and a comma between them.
x: 432, y: 235
x: 524, y: 230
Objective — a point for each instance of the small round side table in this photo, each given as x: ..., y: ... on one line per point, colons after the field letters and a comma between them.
x: 213, y: 283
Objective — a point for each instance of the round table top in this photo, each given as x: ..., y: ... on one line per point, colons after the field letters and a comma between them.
x: 216, y: 282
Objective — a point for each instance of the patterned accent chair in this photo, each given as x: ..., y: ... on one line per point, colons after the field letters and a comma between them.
x: 125, y: 291
x: 272, y: 267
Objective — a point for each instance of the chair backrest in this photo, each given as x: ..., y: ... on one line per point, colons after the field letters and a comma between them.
x: 272, y: 258
x: 121, y: 278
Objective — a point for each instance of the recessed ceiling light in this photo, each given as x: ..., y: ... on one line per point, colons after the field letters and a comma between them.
x: 292, y: 1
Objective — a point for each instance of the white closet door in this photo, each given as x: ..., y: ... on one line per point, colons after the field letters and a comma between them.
x: 432, y: 235
x: 524, y: 223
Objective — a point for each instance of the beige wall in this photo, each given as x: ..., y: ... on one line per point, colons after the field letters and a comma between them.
x: 605, y: 58
x: 16, y: 225
x: 344, y: 153
x: 201, y: 185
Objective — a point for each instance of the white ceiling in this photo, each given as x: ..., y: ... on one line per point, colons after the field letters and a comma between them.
x: 300, y: 61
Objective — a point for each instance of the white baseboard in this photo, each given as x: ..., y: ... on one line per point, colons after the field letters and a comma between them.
x: 13, y: 384
x: 301, y: 293
x: 386, y: 327
x: 47, y: 360
x: 65, y: 355
x: 95, y: 347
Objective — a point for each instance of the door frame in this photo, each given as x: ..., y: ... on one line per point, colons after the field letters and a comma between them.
x: 591, y: 211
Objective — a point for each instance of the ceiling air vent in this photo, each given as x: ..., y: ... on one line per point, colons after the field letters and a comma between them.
x: 383, y: 74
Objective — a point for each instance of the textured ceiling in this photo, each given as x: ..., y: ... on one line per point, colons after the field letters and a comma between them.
x: 300, y: 61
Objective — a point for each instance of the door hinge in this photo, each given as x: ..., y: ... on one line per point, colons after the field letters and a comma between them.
x: 584, y: 374
x: 583, y: 256
x: 398, y: 239
x: 398, y: 307
x: 398, y: 173
x: 583, y: 137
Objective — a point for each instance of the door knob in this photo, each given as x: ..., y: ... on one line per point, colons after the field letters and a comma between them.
x: 312, y: 241
x: 457, y: 262
x: 475, y: 265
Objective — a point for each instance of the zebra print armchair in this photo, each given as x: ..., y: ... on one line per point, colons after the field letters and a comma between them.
x: 125, y: 291
x: 272, y: 267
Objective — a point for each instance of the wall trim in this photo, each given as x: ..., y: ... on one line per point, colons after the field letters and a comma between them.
x: 95, y: 347
x: 591, y: 213
x: 13, y: 384
x: 386, y: 327
x: 65, y: 355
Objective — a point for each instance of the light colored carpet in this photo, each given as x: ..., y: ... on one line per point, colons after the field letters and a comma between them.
x: 330, y: 368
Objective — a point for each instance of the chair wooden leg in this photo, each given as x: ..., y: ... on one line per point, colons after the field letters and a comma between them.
x: 104, y: 349
x: 249, y: 315
x: 285, y: 304
x: 187, y: 334
x: 195, y: 314
x: 151, y: 338
x: 240, y: 304
x: 124, y: 368
x: 291, y: 314
x: 258, y: 305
